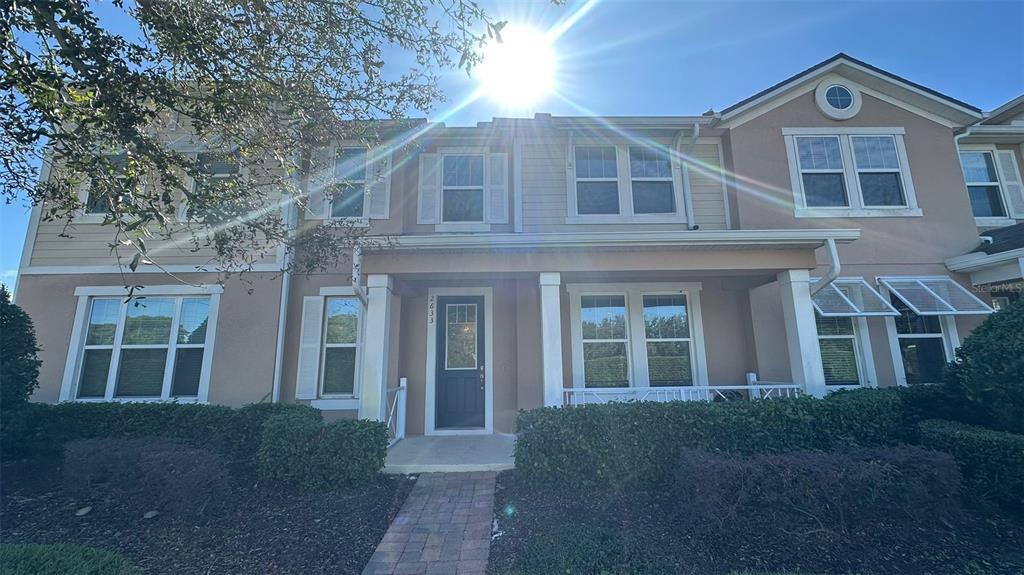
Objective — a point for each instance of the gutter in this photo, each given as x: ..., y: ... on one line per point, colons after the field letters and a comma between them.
x: 780, y: 238
x: 292, y: 219
x: 357, y: 275
x: 976, y: 261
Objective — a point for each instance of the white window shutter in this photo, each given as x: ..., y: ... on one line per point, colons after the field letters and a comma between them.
x: 1012, y: 184
x: 429, y: 189
x: 308, y: 378
x: 497, y: 188
x: 321, y: 177
x: 378, y: 182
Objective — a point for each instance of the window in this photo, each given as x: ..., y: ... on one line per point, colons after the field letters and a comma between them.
x: 462, y: 193
x: 921, y: 344
x: 821, y: 171
x: 460, y: 336
x: 605, y: 341
x: 217, y: 170
x: 597, y: 180
x: 839, y: 97
x: 349, y: 189
x: 982, y: 180
x: 150, y: 347
x: 840, y: 356
x: 878, y: 170
x: 650, y: 171
x: 97, y: 204
x: 850, y: 172
x: 636, y: 335
x: 341, y: 346
x: 667, y: 332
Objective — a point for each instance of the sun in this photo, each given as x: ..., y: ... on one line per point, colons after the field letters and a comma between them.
x: 520, y: 70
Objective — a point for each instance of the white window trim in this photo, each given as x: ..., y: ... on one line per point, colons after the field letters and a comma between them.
x: 950, y: 339
x: 988, y: 222
x: 624, y: 179
x: 856, y: 209
x: 474, y: 226
x: 864, y: 358
x: 356, y: 221
x: 429, y: 427
x: 636, y: 350
x: 340, y: 293
x: 243, y: 174
x: 86, y: 294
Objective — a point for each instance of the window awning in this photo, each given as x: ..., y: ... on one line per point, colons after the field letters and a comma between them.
x: 851, y: 298
x: 935, y: 296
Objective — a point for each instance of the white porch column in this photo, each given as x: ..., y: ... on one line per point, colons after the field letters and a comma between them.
x: 801, y: 332
x: 376, y: 337
x: 551, y: 337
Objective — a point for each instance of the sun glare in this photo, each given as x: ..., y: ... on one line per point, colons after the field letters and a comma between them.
x: 520, y: 70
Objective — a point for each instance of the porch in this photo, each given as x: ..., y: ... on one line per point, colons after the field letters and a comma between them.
x: 452, y: 453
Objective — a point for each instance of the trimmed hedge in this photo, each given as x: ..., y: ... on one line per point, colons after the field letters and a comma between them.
x: 627, y: 445
x: 43, y: 429
x: 61, y: 560
x: 300, y: 450
x: 992, y: 462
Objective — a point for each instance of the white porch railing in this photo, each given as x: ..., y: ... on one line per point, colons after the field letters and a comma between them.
x: 396, y: 412
x: 761, y: 390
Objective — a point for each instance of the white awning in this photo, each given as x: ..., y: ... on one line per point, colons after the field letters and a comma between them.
x: 851, y: 298
x: 935, y: 296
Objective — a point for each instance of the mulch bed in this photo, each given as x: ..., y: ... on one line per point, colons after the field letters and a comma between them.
x: 647, y: 532
x: 258, y: 529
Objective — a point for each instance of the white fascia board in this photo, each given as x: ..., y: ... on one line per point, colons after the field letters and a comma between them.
x: 143, y: 269
x: 977, y: 261
x: 707, y: 238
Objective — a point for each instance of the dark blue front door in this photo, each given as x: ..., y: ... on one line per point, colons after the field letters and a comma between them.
x: 460, y: 362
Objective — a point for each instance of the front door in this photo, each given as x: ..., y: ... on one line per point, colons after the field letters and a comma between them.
x: 460, y: 380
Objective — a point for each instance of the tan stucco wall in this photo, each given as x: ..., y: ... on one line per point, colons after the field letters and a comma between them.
x: 243, y: 357
x: 947, y: 227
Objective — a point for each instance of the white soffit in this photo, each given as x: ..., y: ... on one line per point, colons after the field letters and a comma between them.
x: 851, y: 298
x: 935, y: 296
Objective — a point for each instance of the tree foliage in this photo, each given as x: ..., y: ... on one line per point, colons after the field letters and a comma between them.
x: 19, y: 363
x: 96, y: 88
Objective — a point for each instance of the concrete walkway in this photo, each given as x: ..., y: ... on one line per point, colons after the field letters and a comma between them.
x: 444, y: 528
x: 450, y: 453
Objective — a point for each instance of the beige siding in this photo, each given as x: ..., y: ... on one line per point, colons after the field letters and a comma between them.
x: 544, y: 183
x: 707, y: 187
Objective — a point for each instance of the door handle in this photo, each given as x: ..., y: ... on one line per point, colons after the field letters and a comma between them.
x: 483, y: 377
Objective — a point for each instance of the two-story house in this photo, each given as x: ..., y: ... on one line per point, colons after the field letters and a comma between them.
x: 818, y: 235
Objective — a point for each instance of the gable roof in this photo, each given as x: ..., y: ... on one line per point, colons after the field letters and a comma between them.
x: 924, y: 97
x: 1006, y: 111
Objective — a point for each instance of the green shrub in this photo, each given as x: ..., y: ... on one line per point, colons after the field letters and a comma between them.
x: 992, y: 462
x: 989, y: 369
x: 19, y: 363
x: 302, y: 451
x: 621, y: 445
x: 61, y: 560
x: 42, y: 429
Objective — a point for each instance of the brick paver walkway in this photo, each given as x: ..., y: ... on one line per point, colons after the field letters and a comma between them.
x: 444, y: 528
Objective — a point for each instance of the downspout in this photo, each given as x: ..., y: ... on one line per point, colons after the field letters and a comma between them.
x: 357, y: 275
x: 687, y: 195
x: 292, y: 221
x: 834, y: 267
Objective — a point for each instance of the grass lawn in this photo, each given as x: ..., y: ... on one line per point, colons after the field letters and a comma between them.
x: 571, y: 531
x: 257, y: 529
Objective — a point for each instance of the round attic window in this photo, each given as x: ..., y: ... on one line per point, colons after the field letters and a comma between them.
x: 837, y: 101
x: 839, y: 97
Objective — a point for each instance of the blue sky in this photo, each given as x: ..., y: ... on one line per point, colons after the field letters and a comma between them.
x: 676, y: 58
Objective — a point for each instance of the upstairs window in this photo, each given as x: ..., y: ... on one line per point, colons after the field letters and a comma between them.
x: 821, y: 171
x: 983, y: 187
x: 597, y: 180
x: 850, y: 172
x: 462, y: 188
x: 96, y: 204
x: 650, y: 171
x: 878, y: 170
x: 349, y: 193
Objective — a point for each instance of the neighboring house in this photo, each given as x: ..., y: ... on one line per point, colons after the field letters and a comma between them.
x: 565, y: 260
